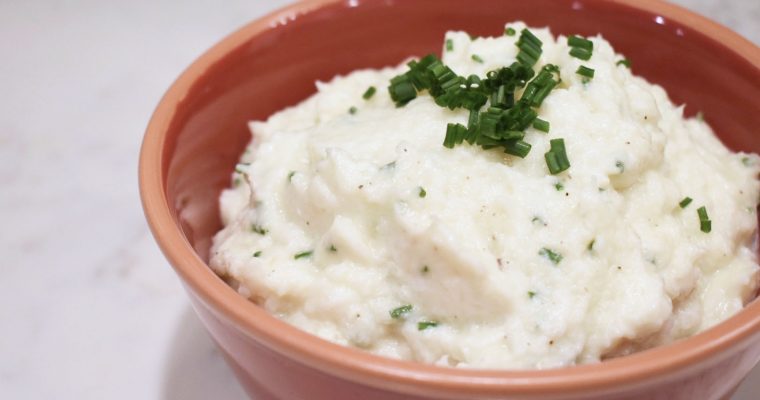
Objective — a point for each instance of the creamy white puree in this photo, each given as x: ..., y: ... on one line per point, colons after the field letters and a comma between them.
x: 347, y: 187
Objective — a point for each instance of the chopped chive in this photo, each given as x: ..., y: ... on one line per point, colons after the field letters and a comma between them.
x: 559, y: 186
x: 236, y: 182
x: 369, y: 93
x: 624, y: 62
x: 579, y: 42
x: 259, y: 229
x: 552, y: 256
x: 390, y: 166
x: 746, y: 161
x: 332, y: 248
x: 509, y: 31
x: 705, y: 225
x: 556, y: 157
x: 399, y: 312
x: 352, y: 110
x: 517, y: 148
x: 402, y: 90
x: 449, y: 45
x: 257, y: 254
x: 290, y: 175
x: 541, y: 125
x: 303, y: 254
x: 422, y: 193
x: 477, y: 58
x: 585, y: 72
x: 620, y: 166
x: 425, y: 269
x: 422, y: 325
x: 590, y: 245
x: 531, y: 294
x: 580, y: 53
x: 685, y: 202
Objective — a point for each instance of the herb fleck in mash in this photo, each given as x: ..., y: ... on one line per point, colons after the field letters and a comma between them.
x: 522, y: 202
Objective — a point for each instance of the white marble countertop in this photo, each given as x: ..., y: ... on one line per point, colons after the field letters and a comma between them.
x: 89, y: 309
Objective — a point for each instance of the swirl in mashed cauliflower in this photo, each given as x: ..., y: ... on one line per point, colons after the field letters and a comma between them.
x: 361, y: 228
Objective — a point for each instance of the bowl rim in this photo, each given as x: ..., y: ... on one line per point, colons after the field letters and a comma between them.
x: 715, y: 344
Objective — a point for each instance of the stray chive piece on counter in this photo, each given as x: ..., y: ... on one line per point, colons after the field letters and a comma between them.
x: 531, y: 294
x: 509, y: 31
x: 399, y: 312
x: 556, y: 157
x: 705, y: 225
x: 369, y: 93
x: 352, y: 110
x: 552, y: 256
x: 422, y: 325
x: 585, y: 72
x: 477, y: 58
x: 422, y: 193
x: 580, y: 48
x: 303, y: 254
x: 624, y: 62
x: 685, y: 202
x: 541, y: 125
x: 257, y: 254
x: 449, y: 45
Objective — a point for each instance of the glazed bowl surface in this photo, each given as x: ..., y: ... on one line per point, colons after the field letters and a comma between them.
x: 199, y: 130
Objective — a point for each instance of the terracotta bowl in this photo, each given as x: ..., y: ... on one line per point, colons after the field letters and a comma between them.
x: 199, y: 130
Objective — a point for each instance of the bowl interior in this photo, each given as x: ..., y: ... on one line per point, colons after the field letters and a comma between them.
x: 278, y: 67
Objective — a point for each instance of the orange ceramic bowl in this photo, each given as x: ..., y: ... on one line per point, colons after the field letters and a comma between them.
x: 199, y: 130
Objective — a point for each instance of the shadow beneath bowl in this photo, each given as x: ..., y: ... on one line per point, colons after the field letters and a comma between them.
x: 195, y: 369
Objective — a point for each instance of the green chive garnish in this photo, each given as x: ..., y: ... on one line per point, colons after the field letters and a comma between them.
x: 259, y: 229
x: 531, y: 294
x: 590, y: 245
x: 624, y: 62
x: 477, y: 58
x: 257, y: 254
x: 685, y: 202
x: 552, y: 256
x: 399, y: 312
x: 422, y: 193
x: 530, y: 48
x: 559, y: 186
x: 579, y: 42
x: 303, y: 254
x: 352, y: 110
x: 620, y: 166
x: 402, y: 90
x: 332, y: 248
x: 556, y: 157
x: 705, y: 225
x: 509, y: 31
x: 541, y: 125
x: 449, y: 45
x: 585, y: 72
x: 580, y: 53
x: 422, y: 325
x: 290, y: 175
x: 369, y: 93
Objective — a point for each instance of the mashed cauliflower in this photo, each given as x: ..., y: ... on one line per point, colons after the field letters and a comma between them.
x: 360, y: 227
